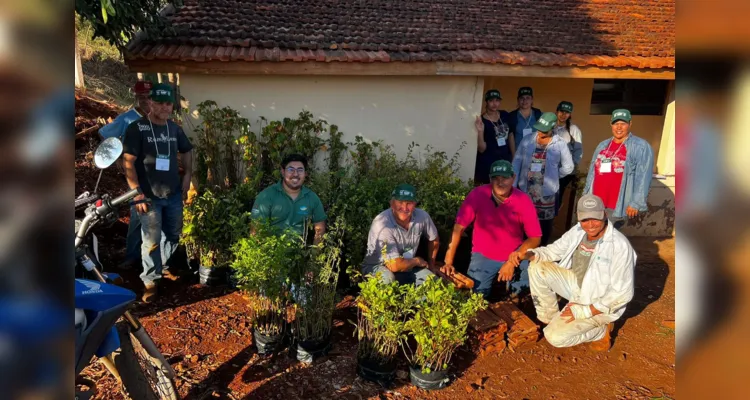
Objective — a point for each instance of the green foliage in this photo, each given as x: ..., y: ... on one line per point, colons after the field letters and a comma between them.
x: 439, y: 323
x: 382, y: 312
x: 118, y: 21
x: 314, y: 291
x: 214, y: 221
x: 224, y: 140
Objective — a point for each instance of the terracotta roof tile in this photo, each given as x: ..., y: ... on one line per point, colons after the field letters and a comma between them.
x: 606, y: 33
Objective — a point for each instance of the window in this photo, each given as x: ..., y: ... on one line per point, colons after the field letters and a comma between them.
x: 641, y: 97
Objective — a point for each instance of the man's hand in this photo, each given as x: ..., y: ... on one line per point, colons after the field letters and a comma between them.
x: 141, y: 208
x: 631, y: 212
x: 185, y: 186
x: 506, y: 272
x: 514, y: 258
x: 583, y: 311
x: 420, y: 262
x: 566, y: 313
x: 448, y: 269
x: 479, y: 125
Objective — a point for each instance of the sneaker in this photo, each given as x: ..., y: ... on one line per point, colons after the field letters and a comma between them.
x: 168, y: 275
x: 149, y: 294
x: 604, y: 343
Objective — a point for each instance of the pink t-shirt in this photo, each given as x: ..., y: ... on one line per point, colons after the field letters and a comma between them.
x: 498, y: 228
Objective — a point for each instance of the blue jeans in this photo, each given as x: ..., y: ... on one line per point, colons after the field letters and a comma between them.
x: 416, y: 276
x: 133, y: 240
x: 483, y: 271
x: 164, y: 215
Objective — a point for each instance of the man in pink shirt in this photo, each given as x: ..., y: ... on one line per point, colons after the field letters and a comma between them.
x: 502, y: 216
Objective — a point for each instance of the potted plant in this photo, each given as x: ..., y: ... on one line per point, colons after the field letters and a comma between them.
x: 262, y: 267
x: 438, y: 326
x: 314, y: 295
x: 382, y: 311
x: 212, y: 223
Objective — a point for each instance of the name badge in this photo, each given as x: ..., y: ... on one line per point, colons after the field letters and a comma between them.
x: 501, y: 141
x: 409, y: 254
x: 162, y: 163
x: 536, y: 166
x: 606, y: 166
x: 527, y: 131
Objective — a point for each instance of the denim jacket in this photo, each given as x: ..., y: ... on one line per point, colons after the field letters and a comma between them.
x: 558, y: 163
x: 639, y: 167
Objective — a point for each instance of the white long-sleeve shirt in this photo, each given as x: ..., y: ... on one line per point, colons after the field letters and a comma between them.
x: 608, y: 283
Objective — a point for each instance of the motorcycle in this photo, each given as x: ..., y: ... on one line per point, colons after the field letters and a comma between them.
x: 104, y: 326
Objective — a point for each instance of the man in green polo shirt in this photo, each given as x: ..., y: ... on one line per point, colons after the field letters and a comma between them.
x: 288, y: 204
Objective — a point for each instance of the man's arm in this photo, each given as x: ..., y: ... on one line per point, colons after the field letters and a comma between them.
x: 450, y: 254
x: 566, y: 161
x: 552, y: 252
x: 401, y: 264
x: 128, y: 162
x: 187, y: 164
x: 644, y: 170
x: 432, y: 249
x: 621, y: 284
x: 514, y: 259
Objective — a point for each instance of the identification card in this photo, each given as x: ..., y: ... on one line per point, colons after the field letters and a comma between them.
x: 536, y: 166
x: 527, y: 131
x: 606, y: 166
x: 501, y: 141
x: 409, y: 254
x: 162, y: 163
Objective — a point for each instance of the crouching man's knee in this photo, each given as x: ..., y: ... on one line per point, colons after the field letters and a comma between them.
x: 560, y: 337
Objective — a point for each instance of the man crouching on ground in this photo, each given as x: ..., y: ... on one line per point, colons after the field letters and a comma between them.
x: 594, y: 272
x: 394, y: 237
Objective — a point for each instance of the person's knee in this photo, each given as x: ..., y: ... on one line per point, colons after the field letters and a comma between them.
x: 385, y: 275
x: 558, y: 337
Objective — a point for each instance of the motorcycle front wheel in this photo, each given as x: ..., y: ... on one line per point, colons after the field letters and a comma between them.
x: 142, y: 376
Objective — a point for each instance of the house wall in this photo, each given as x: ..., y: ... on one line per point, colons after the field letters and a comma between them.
x: 437, y: 110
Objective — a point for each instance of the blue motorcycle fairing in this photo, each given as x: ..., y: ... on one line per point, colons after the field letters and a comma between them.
x: 110, y: 343
x: 98, y: 296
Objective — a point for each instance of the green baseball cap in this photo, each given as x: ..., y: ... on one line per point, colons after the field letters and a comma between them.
x: 565, y: 106
x: 162, y: 93
x: 501, y: 168
x: 404, y: 192
x: 620, y: 114
x: 492, y: 94
x: 546, y: 122
x: 525, y: 91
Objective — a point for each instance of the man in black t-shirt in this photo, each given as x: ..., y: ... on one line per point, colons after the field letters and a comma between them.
x: 150, y: 161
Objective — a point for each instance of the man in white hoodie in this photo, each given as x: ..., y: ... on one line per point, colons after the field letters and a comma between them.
x: 592, y: 265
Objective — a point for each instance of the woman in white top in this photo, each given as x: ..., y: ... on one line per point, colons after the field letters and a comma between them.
x: 572, y: 136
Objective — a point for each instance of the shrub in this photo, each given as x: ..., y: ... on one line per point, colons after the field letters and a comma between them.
x: 382, y: 311
x: 439, y: 323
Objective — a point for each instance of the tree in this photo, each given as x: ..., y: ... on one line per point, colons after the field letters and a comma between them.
x: 117, y: 21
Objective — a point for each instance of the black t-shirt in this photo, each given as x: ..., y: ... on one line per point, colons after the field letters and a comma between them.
x: 139, y: 141
x: 492, y: 132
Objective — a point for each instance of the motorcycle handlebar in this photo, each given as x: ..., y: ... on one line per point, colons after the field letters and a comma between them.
x: 104, y: 209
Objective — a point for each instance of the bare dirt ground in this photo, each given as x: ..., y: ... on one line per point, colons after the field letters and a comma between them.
x: 206, y: 334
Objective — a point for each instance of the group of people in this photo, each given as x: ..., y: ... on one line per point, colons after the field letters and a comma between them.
x: 526, y: 157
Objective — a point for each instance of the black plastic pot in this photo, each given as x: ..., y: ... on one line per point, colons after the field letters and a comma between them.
x: 309, y: 350
x: 432, y: 381
x: 267, y: 344
x: 374, y: 371
x: 212, y: 276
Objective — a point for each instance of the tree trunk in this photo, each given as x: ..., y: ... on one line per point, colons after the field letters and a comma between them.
x: 79, y: 68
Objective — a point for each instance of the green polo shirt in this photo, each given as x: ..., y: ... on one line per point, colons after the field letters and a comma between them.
x: 274, y: 205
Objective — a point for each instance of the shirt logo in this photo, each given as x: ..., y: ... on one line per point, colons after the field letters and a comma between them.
x: 142, y: 127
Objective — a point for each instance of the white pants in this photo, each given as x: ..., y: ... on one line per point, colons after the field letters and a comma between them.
x: 546, y: 281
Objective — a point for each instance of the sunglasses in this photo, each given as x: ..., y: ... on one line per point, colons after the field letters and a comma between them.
x: 291, y: 170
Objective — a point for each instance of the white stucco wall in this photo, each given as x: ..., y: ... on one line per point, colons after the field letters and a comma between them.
x: 437, y: 110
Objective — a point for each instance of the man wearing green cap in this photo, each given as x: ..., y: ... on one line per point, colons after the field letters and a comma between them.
x: 621, y: 170
x: 541, y: 160
x: 151, y: 146
x: 494, y: 141
x: 505, y: 225
x: 394, y: 237
x: 521, y: 120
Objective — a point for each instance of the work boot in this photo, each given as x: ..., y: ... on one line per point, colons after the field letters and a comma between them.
x: 604, y: 343
x: 168, y: 275
x: 150, y: 292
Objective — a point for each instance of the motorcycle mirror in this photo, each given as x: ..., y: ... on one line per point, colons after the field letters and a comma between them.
x: 108, y: 152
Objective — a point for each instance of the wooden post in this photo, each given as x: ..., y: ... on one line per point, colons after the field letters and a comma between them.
x: 79, y: 68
